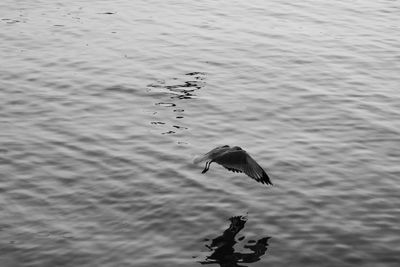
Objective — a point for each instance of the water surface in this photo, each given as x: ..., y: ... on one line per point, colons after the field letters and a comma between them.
x: 104, y: 105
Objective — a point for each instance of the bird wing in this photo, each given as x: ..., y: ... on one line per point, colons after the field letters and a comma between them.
x: 239, y: 160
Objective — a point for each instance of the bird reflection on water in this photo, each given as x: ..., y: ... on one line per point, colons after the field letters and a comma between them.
x: 222, y: 247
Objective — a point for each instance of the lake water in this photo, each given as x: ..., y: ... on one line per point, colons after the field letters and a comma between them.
x: 104, y: 105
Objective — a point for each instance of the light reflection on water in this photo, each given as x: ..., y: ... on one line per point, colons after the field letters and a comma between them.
x: 104, y: 105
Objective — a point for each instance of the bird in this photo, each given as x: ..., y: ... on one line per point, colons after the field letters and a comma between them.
x: 234, y: 159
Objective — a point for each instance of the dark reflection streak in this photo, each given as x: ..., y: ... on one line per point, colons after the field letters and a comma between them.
x: 181, y: 89
x: 223, y: 252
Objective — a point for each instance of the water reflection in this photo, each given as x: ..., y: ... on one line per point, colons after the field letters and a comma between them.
x: 170, y: 93
x: 181, y: 88
x: 223, y: 251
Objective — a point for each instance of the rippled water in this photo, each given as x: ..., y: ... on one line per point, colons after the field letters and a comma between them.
x: 104, y: 104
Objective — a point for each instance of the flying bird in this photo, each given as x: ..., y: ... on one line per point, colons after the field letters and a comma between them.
x: 234, y: 159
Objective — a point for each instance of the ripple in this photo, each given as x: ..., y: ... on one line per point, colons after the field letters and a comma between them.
x: 165, y: 104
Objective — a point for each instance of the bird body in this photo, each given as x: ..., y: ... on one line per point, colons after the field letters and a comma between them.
x: 237, y: 160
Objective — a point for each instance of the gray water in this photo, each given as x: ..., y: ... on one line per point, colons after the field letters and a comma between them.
x: 104, y: 104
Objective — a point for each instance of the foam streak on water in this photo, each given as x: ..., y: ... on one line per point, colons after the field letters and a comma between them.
x: 104, y: 105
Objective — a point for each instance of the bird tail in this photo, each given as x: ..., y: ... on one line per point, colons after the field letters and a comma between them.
x: 199, y: 159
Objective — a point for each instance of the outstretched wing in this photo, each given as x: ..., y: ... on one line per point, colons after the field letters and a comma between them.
x: 239, y: 160
x: 255, y: 171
